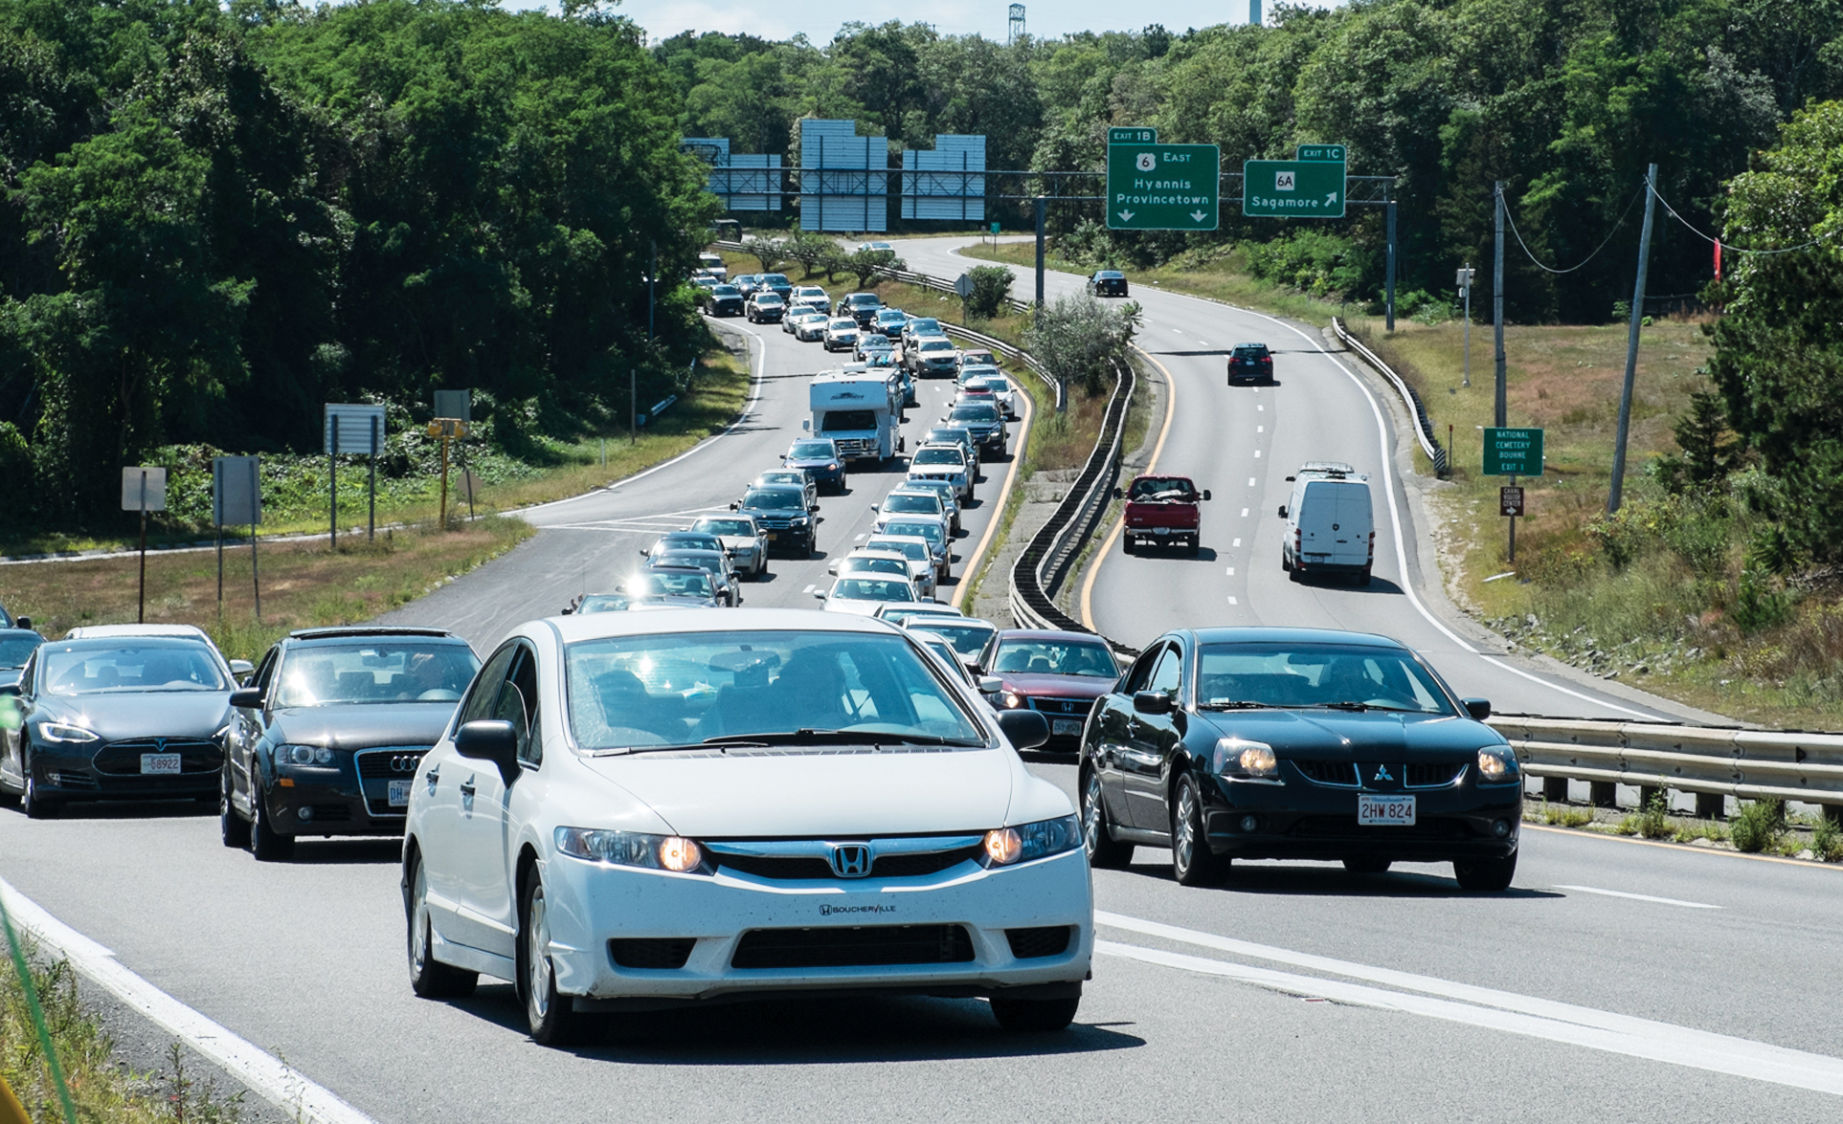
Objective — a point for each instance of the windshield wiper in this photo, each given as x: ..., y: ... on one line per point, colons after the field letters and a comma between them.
x: 1356, y: 706
x: 809, y: 736
x: 1234, y: 704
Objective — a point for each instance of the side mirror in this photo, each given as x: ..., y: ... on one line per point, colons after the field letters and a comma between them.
x: 1290, y: 479
x: 1478, y: 708
x: 990, y: 684
x: 22, y: 622
x: 819, y: 594
x: 241, y: 670
x: 806, y: 426
x: 832, y: 568
x: 1116, y: 493
x: 1151, y: 702
x: 876, y: 507
x: 490, y: 739
x: 9, y: 690
x: 247, y: 698
x: 1206, y: 493
x: 735, y: 506
x: 1283, y: 511
x: 642, y: 551
x: 1025, y: 729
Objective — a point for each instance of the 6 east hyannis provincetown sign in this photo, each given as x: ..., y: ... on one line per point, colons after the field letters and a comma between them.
x: 1308, y: 187
x: 1163, y: 186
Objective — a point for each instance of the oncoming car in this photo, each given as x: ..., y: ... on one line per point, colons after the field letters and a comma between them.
x: 637, y: 810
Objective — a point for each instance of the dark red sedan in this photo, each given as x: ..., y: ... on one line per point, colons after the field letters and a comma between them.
x: 1057, y: 674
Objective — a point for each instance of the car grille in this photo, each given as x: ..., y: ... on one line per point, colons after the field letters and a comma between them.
x: 1044, y: 940
x: 1340, y: 773
x: 1347, y: 827
x: 378, y: 767
x: 815, y: 867
x: 1063, y: 706
x: 123, y: 758
x: 856, y: 447
x: 868, y: 946
x: 1432, y: 774
x: 773, y: 522
x: 655, y: 954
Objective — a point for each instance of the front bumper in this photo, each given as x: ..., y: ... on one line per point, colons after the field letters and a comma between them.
x: 352, y: 796
x: 113, y: 772
x: 1300, y: 820
x: 966, y: 920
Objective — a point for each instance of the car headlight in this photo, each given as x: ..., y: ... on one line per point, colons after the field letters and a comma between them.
x: 833, y: 467
x: 1012, y: 700
x: 1006, y: 846
x: 303, y: 755
x: 65, y: 732
x: 1497, y: 764
x: 1238, y: 757
x: 632, y: 848
x: 798, y: 521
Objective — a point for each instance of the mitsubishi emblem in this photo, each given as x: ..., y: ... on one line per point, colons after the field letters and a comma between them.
x: 1382, y: 773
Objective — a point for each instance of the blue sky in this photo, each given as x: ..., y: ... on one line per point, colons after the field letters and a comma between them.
x: 821, y: 19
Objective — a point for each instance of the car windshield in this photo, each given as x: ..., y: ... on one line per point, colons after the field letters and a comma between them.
x: 976, y: 411
x: 939, y: 456
x: 968, y: 639
x: 812, y: 451
x: 780, y: 687
x: 687, y: 540
x: 873, y: 589
x: 875, y: 566
x: 672, y: 583
x: 717, y: 525
x: 913, y: 504
x: 877, y: 343
x: 16, y: 650
x: 1056, y: 657
x: 1357, y: 677
x: 842, y: 325
x: 930, y: 531
x: 727, y: 291
x: 923, y: 325
x: 776, y: 279
x: 702, y: 559
x: 766, y: 300
x: 934, y: 345
x: 1162, y: 488
x: 784, y: 476
x: 142, y: 665
x: 913, y: 551
x: 376, y: 670
x: 774, y: 499
x: 603, y: 603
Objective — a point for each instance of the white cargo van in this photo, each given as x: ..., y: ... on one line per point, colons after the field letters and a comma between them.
x: 1330, y: 528
x: 714, y: 263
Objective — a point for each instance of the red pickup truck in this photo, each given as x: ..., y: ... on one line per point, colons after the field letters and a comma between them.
x: 1162, y: 509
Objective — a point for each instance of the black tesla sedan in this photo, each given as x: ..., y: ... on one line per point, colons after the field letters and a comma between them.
x: 1284, y: 743
x: 114, y: 718
x: 327, y: 738
x: 1107, y: 283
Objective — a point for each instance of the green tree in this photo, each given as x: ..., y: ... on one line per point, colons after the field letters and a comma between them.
x: 771, y: 252
x: 867, y: 265
x: 1080, y: 340
x: 991, y: 289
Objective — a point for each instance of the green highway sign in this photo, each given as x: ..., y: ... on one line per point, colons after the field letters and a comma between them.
x: 1134, y: 134
x: 1163, y: 186
x: 1293, y: 189
x: 1513, y: 452
x: 1331, y: 152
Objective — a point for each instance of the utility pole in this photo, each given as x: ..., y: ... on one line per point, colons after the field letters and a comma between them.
x: 1389, y: 201
x: 1614, y: 496
x: 1042, y: 209
x: 1465, y: 290
x: 1497, y: 305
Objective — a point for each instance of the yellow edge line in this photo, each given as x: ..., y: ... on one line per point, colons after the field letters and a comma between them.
x: 1113, y: 532
x: 971, y: 564
x: 1575, y: 831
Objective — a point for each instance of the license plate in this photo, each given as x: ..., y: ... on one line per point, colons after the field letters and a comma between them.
x: 1161, y: 530
x: 159, y: 763
x: 1066, y: 727
x: 399, y: 794
x: 767, y: 536
x: 1385, y: 811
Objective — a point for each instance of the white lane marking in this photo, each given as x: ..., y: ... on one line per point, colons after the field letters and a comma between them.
x: 1401, y: 547
x: 1257, y: 454
x: 1232, y: 601
x: 1260, y: 429
x: 1203, y: 341
x: 1244, y: 511
x: 1259, y: 409
x: 755, y: 393
x: 1237, y: 542
x: 273, y: 1079
x: 1535, y: 1018
x: 810, y: 590
x: 1635, y: 897
x: 1250, y: 481
x: 1231, y: 571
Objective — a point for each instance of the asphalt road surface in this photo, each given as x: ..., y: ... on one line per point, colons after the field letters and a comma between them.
x: 1616, y: 980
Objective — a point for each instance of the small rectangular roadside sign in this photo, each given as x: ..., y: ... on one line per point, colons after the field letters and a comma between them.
x: 1512, y: 452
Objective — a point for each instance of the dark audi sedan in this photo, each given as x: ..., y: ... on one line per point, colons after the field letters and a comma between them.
x: 114, y: 718
x: 327, y: 738
x: 1282, y: 743
x: 1057, y: 674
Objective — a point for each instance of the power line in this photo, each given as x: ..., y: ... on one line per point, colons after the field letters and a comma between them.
x: 1727, y: 247
x: 1583, y: 261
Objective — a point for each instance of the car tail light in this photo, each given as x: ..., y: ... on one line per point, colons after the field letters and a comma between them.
x: 1372, y: 546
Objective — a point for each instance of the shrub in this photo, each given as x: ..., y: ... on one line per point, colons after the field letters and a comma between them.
x: 1654, y: 819
x: 991, y: 289
x: 1827, y: 839
x: 1758, y: 826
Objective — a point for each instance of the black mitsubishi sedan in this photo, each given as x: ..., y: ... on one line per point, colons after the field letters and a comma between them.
x: 1287, y: 743
x: 327, y: 738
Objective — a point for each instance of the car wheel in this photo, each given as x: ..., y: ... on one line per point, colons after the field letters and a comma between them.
x: 812, y: 546
x: 1192, y: 862
x: 1285, y: 562
x: 552, y: 1018
x: 268, y: 845
x: 1490, y: 875
x: 35, y: 806
x: 429, y: 977
x: 843, y: 485
x: 1034, y: 1015
x: 232, y: 828
x: 1366, y: 864
x: 1104, y: 851
x: 1126, y: 543
x: 1196, y: 547
x: 1361, y: 578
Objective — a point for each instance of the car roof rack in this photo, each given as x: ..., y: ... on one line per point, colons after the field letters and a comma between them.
x: 1327, y: 468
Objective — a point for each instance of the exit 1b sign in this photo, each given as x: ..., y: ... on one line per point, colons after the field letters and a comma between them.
x: 1163, y: 186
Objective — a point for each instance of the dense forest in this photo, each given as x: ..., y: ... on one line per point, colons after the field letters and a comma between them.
x: 216, y: 216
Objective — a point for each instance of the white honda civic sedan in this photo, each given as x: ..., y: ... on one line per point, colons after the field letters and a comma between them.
x: 636, y: 810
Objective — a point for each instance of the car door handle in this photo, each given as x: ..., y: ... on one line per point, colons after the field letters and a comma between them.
x: 467, y: 789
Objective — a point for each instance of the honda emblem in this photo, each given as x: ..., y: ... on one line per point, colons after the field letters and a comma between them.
x: 851, y: 860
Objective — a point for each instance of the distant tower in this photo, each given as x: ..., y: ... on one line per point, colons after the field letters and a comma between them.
x: 1254, y: 12
x: 1017, y: 23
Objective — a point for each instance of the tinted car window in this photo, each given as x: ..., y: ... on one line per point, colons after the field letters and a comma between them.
x: 775, y: 499
x: 377, y: 671
x: 1055, y: 657
x: 939, y: 456
x: 15, y: 650
x: 717, y: 525
x: 1319, y: 675
x: 141, y: 665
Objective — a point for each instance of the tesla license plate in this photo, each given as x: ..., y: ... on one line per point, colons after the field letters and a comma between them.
x: 159, y: 763
x: 1386, y: 811
x: 1066, y: 727
x: 399, y: 794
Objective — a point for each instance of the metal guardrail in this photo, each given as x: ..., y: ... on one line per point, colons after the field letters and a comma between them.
x: 1711, y: 761
x: 1039, y: 570
x: 1423, y: 423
